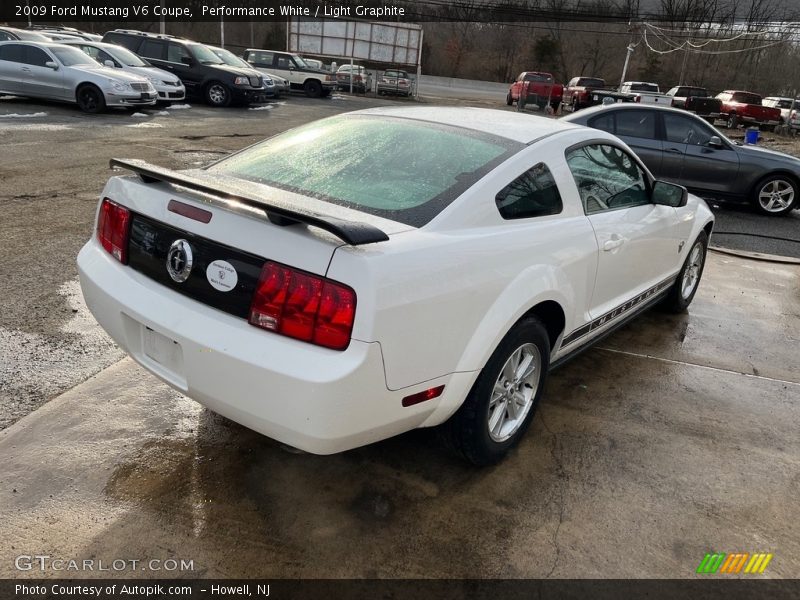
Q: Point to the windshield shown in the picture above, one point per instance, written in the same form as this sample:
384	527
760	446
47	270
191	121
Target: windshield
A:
127	58
300	62
32	36
399	169
204	55
72	56
229	58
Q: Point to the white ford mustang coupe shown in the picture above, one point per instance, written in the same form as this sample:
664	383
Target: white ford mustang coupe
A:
388	269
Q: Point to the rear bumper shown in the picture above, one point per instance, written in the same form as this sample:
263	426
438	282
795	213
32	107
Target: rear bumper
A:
319	400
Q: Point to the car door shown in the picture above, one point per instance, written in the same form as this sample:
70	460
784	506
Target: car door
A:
637	240
639	129
183	65
38	79
693	162
11	68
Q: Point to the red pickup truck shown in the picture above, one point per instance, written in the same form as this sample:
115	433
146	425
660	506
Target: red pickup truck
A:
578	93
745	108
535	87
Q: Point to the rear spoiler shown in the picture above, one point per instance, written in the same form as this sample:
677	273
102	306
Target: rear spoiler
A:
352	232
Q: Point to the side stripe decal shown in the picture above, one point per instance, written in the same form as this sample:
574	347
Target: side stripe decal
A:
617	312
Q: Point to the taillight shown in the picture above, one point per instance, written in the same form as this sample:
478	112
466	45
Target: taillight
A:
113	229
303	306
637	99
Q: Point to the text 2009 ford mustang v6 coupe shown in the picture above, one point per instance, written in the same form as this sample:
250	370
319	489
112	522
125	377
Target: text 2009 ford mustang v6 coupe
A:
388	269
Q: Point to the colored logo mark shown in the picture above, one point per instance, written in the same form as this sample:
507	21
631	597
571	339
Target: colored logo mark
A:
737	562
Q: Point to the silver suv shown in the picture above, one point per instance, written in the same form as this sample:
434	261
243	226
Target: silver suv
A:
64	73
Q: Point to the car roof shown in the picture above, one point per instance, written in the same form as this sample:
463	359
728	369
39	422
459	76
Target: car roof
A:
600	108
519	127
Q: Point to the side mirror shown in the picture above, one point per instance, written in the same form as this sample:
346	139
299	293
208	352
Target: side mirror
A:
52	65
715	142
669	194
187	61
109	63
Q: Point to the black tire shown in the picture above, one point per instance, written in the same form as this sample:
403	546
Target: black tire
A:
509	99
733	121
467	431
784	186
312	88
217	94
90	99
682	292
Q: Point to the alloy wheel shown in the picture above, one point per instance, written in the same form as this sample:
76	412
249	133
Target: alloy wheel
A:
514	391
777	195
691	274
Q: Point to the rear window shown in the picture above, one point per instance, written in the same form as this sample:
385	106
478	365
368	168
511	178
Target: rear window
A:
644	87
745	98
538	77
400	169
591	82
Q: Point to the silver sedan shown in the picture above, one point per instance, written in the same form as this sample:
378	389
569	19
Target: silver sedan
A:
63	73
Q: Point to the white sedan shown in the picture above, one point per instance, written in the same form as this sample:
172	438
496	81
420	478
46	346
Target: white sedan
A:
388	269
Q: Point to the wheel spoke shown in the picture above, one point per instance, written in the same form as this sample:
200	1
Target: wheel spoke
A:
525	368
498	418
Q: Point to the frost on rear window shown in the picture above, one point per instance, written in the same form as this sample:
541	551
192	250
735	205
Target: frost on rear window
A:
400	169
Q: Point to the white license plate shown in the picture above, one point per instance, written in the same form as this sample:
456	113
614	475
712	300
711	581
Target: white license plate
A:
163	350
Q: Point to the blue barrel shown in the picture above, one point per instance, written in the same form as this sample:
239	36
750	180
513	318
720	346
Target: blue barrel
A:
751	135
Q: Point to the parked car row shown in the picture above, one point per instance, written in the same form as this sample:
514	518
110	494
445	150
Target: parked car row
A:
134	68
735	107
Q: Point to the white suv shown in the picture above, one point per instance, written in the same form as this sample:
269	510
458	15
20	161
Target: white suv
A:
314	82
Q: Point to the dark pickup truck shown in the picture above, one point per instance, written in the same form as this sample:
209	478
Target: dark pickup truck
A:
696	100
578	93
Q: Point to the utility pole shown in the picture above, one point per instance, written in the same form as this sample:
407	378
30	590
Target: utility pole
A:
161	25
631	46
685	57
625	66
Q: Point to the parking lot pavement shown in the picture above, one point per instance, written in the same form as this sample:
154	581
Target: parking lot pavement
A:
676	437
53	165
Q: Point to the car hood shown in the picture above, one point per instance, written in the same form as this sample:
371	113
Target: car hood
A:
236	71
107	73
765	153
161	74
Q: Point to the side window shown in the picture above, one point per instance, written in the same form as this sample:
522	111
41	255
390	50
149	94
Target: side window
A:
636	123
11	53
681	130
5	36
177	53
103	56
607	178
532	194
284	62
152	49
603	122
91	51
35	56
261	59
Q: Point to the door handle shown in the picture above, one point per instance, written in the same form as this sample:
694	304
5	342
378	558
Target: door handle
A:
615	242
26	69
674	150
